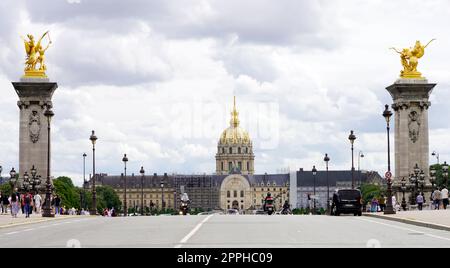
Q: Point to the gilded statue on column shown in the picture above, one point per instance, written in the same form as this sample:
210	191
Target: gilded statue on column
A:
35	59
410	59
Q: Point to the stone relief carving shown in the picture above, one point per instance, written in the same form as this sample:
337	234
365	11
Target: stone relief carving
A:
414	126
34	126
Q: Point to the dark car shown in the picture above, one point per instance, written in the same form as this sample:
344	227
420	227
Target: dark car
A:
347	201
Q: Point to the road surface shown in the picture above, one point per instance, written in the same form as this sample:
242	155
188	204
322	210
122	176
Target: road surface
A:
223	231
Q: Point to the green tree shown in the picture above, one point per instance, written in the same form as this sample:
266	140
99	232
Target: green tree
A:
369	191
68	193
5	189
106	198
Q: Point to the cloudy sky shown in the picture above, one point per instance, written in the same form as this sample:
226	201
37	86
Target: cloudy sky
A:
155	78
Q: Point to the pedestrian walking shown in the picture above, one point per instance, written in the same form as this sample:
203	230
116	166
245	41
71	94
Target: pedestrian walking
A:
57	201
419	201
2	206
37	203
374	205
27	204
444	197
437	198
15	206
382	202
5	202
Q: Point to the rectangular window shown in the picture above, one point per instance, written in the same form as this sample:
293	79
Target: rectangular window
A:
248	166
235	193
240	165
230	166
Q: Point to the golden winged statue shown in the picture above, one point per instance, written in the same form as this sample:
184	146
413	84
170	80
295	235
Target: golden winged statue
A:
410	59
35	59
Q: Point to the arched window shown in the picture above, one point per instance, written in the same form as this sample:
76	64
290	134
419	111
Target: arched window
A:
228	194
242	193
246	150
239	150
248	166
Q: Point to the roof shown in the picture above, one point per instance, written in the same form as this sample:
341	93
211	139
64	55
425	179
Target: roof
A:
306	178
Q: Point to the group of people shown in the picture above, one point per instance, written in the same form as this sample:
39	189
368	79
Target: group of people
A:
109	212
379	204
25	202
438	199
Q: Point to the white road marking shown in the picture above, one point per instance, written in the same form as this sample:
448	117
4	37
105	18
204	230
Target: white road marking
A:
11	233
27	230
189	235
406	229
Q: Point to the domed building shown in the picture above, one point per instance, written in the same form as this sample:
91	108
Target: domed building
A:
235	149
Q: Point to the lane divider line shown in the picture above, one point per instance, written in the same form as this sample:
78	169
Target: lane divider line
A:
191	233
406	229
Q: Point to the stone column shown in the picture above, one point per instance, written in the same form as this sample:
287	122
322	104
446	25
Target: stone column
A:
35	95
411	103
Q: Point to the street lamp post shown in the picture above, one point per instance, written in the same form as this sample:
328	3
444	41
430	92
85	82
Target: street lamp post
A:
125	205
142	171
360	155
12	180
352	139
314	172
432	176
35	180
422	180
93	139
26	180
327	159
162	191
84	181
445	173
435	154
389	209
48	209
403	187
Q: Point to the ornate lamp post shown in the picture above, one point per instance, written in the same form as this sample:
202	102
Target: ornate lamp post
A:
93	211
47	208
403	187
432	176
26	182
422	180
35	179
389	209
445	173
142	171
314	172
435	154
12	180
125	207
327	159
352	139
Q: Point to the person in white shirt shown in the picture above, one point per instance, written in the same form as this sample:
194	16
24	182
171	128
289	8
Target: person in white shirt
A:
37	203
444	197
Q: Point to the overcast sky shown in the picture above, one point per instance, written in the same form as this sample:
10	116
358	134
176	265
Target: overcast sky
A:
156	78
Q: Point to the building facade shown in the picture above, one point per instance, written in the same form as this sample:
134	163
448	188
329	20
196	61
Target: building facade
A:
234	185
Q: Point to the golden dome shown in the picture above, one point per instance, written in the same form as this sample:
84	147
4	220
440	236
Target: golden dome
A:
234	134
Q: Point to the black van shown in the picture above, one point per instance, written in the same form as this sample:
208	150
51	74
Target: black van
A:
347	201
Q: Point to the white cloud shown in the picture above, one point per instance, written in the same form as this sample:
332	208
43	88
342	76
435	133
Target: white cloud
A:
155	79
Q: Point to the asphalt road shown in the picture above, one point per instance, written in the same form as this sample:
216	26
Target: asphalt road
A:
223	231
